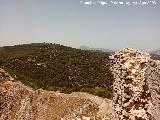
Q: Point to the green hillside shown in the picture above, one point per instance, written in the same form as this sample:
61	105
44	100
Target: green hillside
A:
57	67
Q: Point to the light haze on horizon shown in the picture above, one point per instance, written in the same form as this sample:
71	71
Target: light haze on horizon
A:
70	23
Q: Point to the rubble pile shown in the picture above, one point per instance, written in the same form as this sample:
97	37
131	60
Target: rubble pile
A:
153	79
134	98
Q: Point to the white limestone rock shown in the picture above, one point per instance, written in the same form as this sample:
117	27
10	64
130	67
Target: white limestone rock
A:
132	97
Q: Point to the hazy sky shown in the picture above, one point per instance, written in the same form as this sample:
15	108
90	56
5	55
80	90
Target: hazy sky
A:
71	23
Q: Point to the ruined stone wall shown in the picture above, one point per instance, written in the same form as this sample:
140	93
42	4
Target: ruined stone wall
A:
153	79
136	86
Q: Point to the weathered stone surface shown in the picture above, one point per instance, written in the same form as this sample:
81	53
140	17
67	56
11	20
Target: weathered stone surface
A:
153	78
19	102
136	87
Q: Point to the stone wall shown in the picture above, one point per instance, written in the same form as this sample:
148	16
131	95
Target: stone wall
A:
153	79
136	86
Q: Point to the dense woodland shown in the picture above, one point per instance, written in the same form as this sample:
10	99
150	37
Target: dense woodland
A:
56	67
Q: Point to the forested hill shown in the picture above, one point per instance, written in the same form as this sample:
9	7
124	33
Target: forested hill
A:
56	67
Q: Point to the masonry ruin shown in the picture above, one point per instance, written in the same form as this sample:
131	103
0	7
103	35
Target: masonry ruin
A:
136	87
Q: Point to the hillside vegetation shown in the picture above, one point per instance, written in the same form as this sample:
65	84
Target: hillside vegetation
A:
57	67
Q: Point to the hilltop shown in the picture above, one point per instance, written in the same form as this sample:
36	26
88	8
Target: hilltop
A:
59	68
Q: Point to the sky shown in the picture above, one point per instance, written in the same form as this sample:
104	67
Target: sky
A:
72	23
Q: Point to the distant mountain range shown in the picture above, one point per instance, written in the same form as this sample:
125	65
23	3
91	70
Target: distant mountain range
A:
84	47
157	52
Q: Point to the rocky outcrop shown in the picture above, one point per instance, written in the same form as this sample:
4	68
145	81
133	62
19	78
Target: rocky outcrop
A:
136	86
19	102
153	79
